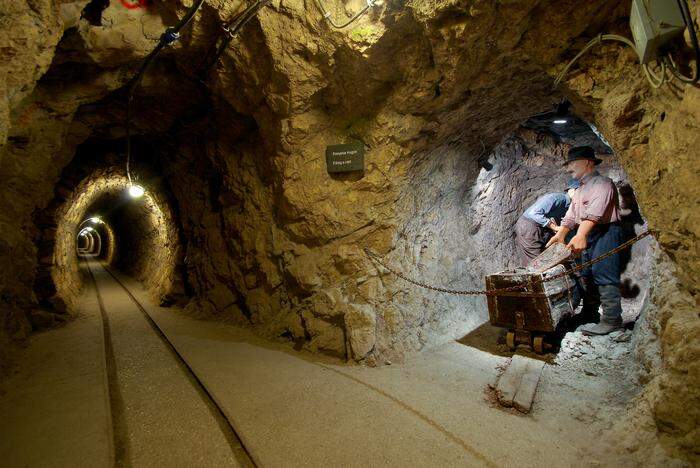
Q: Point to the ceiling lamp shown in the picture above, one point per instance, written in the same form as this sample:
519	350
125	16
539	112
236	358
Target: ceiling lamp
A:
136	191
561	114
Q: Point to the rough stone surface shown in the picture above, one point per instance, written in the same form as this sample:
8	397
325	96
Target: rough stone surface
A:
42	319
270	239
361	322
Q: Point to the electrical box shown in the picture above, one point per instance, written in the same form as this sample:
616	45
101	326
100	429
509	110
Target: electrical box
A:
655	23
345	158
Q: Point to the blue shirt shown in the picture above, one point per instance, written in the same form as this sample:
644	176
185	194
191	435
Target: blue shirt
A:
551	205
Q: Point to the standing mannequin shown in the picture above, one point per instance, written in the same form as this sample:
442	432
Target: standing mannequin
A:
594	214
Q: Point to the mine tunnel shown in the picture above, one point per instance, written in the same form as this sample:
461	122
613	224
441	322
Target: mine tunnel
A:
349	233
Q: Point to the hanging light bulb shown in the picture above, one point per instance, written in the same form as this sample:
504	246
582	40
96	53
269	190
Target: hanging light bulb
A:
136	191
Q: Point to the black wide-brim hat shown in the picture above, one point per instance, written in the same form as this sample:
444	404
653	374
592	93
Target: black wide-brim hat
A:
582	152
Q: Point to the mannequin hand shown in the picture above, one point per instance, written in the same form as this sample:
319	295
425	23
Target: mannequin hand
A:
578	244
557	239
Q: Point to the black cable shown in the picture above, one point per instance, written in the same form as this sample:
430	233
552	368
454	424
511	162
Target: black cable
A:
233	28
188	17
212	54
246	16
170	35
230	31
688	20
327	15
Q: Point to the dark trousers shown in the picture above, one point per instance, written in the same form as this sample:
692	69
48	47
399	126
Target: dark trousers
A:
599	284
530	239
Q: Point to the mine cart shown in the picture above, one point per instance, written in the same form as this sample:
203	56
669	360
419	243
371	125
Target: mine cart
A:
536	309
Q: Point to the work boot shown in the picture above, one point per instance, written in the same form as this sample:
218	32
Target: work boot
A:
587	291
603	328
612	312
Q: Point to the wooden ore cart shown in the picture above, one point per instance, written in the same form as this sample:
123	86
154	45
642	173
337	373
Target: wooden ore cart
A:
529	319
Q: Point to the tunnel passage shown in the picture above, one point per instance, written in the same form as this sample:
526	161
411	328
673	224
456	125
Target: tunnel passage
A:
465	208
141	238
95	238
89	242
144	240
93	213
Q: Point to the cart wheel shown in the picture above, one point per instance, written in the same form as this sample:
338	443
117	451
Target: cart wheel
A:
510	339
538	344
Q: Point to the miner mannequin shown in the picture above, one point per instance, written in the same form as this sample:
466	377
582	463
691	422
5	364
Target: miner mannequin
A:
594	213
540	221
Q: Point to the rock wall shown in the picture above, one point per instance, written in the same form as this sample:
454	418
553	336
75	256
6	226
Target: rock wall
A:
270	237
149	245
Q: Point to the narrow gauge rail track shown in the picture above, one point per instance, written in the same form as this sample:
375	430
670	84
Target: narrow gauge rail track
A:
119	435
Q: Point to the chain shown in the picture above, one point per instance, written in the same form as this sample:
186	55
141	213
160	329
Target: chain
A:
600	258
496	292
512	290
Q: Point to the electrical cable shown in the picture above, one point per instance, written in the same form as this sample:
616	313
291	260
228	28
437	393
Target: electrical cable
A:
654	80
596	41
240	20
668	59
212	54
667	63
171	35
370	4
231	29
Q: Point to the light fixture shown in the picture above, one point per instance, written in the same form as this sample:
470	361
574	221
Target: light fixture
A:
95	220
136	191
561	114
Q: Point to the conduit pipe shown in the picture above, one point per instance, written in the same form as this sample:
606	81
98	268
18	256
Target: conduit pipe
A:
370	4
170	36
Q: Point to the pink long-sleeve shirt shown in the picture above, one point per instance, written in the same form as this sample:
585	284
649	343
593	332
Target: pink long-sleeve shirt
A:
595	200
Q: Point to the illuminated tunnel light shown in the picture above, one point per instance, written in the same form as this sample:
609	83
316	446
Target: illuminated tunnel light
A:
560	121
136	191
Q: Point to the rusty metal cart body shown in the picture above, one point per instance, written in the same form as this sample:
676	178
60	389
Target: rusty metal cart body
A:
527	316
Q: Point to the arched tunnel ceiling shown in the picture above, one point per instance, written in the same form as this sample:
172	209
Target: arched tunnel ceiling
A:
569	128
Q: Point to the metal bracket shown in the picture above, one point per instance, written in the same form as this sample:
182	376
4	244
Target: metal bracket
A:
170	36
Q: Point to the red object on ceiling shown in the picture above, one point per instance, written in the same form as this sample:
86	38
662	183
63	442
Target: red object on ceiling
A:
134	4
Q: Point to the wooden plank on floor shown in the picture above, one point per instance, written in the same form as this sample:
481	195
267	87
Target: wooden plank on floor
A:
510	381
528	385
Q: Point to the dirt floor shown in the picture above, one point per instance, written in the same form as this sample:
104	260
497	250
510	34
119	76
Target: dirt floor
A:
155	415
293	408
